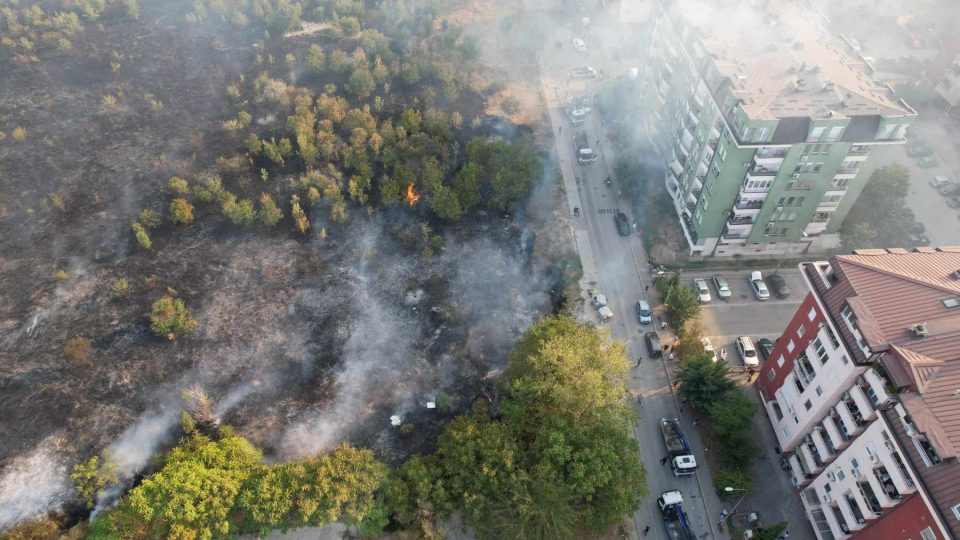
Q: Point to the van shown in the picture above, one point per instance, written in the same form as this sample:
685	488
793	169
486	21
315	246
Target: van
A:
644	313
578	116
748	353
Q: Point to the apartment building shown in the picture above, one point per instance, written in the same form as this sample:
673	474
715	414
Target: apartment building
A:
863	392
770	127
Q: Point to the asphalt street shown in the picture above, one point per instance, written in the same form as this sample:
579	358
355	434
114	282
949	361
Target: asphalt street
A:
616	266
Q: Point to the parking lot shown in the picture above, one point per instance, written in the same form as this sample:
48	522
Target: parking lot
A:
723	320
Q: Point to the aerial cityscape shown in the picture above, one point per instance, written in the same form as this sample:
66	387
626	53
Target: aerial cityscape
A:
467	269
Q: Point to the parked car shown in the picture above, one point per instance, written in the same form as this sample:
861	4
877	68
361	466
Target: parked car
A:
765	346
583	103
653	344
583	73
623	224
919	150
643	312
927	162
778	285
708	348
759	287
579	45
723	288
703	292
948	189
577	117
941	181
954	202
748	353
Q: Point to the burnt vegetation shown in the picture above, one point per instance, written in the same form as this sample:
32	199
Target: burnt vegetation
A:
189	191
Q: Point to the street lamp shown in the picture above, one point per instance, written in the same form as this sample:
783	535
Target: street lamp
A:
729	489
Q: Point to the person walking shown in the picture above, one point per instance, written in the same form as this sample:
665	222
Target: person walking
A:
663	325
670	356
560	130
664	460
646	288
646	530
639	360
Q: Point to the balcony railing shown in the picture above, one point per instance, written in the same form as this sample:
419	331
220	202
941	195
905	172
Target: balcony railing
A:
758	170
841	519
866	491
729	235
814	452
748	205
848	170
854	410
889	488
859	151
838	423
771	153
855	508
734	220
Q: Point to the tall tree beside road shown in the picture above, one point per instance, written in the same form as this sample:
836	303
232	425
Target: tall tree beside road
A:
704	382
732	417
558	458
682	303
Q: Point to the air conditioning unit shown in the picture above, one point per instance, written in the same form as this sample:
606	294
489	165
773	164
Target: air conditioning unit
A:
889	445
855	472
796	175
832	477
804	158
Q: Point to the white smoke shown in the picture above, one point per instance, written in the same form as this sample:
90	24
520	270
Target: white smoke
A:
33	484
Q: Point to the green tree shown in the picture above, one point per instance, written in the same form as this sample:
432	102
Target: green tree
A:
239	212
178	185
735	478
269	214
169	317
316	59
682	305
360	83
300	220
704	382
466	185
445	204
143	238
732	415
91	476
181	211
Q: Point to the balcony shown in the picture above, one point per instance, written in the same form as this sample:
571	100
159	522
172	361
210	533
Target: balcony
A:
835	189
845	174
928	449
734	237
858	150
771	153
760	173
841	519
815	227
806	367
825	437
851	404
889	488
866	491
734	220
855	508
745	204
814	453
839	424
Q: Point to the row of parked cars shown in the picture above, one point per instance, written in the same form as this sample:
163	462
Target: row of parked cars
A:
947	187
758	285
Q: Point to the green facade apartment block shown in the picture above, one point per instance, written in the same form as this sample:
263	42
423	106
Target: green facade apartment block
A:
766	147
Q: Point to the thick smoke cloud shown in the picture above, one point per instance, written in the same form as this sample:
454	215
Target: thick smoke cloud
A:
33	484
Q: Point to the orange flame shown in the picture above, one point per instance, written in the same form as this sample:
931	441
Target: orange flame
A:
411	196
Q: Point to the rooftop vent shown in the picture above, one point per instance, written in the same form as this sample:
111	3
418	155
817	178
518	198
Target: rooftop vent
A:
828	84
919	329
956	274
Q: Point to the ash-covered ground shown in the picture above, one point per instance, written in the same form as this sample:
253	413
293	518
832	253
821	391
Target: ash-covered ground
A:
303	342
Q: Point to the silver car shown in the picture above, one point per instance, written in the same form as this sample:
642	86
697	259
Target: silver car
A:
723	288
759	287
703	292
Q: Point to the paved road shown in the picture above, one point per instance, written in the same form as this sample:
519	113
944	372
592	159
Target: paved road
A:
615	265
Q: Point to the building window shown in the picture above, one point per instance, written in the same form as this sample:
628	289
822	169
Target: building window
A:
807	405
722	153
819	390
812	314
779	413
844	360
790	346
956	511
840	475
780	361
801	330
835	133
816	133
772	374
821	351
928	534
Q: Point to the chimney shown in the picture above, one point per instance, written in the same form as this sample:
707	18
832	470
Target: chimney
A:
919	329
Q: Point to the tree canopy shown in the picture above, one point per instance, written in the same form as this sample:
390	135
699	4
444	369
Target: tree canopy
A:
704	382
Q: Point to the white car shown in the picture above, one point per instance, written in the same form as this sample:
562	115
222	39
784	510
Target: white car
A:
759	287
708	348
703	292
748	353
940	181
579	45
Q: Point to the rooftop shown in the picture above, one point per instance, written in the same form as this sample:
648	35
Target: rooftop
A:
891	292
782	62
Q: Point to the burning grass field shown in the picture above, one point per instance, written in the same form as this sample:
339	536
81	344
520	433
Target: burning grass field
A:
302	340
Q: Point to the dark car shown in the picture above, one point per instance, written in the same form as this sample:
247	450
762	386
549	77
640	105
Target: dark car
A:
920	150
653	344
778	285
927	161
766	347
954	202
623	223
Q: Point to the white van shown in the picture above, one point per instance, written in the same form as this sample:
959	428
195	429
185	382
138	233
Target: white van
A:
748	353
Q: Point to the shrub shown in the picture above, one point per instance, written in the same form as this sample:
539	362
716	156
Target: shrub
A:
120	287
269	213
181	211
143	238
735	478
150	219
239	212
19	134
178	185
300	220
169	318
